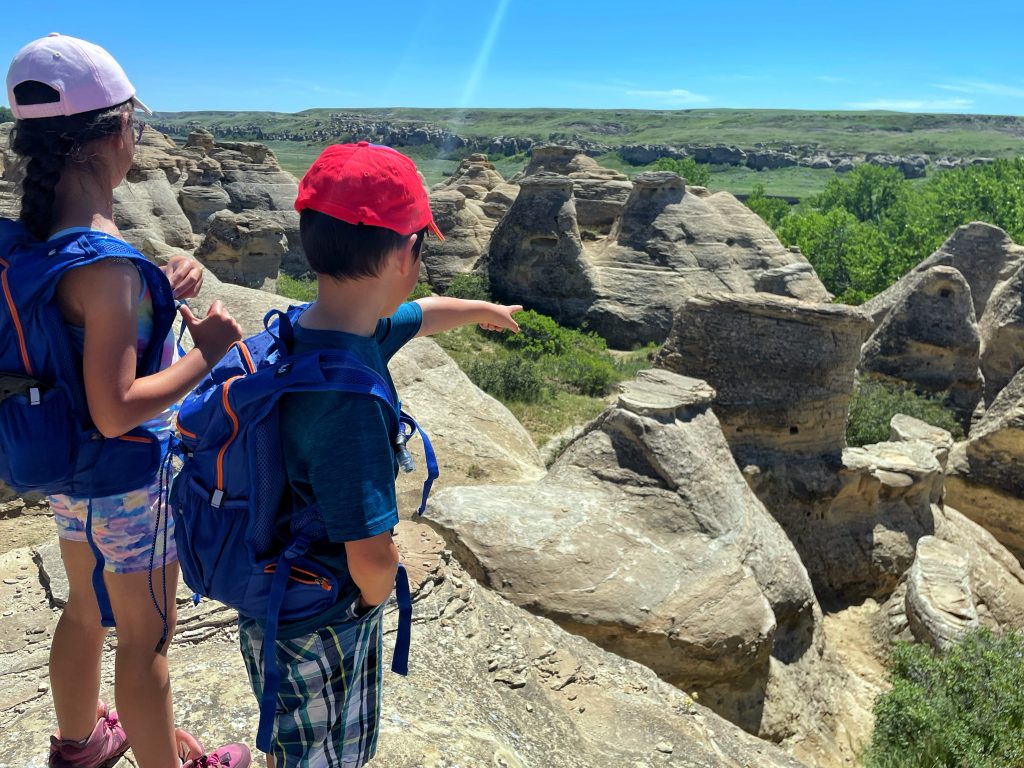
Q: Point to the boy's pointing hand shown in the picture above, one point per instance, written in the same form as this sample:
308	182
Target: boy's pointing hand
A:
502	318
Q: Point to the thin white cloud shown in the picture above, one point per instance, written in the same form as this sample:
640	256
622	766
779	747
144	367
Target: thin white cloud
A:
977	86
913	105
671	96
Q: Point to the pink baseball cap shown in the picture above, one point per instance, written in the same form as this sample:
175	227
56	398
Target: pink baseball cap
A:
85	75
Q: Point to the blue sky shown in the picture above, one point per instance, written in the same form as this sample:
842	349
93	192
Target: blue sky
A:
906	55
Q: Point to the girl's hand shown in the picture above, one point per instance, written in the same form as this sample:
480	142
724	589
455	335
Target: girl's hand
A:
215	333
185	276
502	318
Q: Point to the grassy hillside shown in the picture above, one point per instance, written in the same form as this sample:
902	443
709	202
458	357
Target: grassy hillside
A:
890	132
893	132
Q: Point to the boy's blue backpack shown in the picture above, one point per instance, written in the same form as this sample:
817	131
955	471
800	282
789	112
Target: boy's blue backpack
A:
48	443
226	498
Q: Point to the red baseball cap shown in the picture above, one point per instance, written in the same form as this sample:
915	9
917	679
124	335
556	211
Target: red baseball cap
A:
367	184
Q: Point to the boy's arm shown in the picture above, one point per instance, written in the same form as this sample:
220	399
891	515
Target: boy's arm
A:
442	313
373	563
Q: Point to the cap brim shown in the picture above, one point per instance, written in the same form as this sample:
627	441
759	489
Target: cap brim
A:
433	228
140	106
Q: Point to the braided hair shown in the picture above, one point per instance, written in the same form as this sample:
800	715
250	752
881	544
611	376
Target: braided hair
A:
49	143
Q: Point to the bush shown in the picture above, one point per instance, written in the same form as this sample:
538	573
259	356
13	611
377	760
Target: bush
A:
297	288
696	174
772	209
421	291
469	287
876	401
581	372
961	708
509	377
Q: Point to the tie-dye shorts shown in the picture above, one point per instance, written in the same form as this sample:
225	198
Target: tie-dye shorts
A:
122	528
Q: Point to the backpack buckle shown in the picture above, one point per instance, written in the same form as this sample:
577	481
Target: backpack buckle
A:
216	498
33	396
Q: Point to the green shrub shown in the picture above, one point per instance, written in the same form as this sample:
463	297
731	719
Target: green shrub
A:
772	209
421	291
953	710
508	377
469	287
581	372
297	288
876	401
696	174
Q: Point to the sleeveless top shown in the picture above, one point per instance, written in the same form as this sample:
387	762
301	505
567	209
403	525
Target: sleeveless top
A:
161	424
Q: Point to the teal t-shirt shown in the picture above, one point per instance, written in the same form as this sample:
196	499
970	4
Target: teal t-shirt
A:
338	450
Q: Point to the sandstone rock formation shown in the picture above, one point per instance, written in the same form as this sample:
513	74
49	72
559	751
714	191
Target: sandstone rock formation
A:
508	687
670	242
644	538
986	473
536	250
243	248
1002	334
782	369
985	255
930	339
600	192
465	238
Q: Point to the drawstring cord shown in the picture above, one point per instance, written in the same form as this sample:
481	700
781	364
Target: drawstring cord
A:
163	503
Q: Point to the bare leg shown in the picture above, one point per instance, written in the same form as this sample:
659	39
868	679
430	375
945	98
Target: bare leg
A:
77	647
141	678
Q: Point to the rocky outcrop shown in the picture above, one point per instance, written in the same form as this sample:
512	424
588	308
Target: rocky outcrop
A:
509	687
600	192
1002	334
989	262
929	339
536	254
641	521
904	429
670	242
465	238
782	369
986	472
243	248
146	203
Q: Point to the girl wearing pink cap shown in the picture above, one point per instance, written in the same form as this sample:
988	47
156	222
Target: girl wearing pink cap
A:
75	127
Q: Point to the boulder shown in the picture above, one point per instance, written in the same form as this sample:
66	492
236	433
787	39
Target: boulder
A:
243	248
929	339
964	578
939	603
644	538
782	369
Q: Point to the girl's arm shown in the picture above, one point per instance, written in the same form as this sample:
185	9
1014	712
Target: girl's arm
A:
442	313
105	297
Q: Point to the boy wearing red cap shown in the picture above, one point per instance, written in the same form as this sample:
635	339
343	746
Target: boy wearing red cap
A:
363	217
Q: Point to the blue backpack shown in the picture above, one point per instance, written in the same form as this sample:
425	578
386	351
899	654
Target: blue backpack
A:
48	443
226	498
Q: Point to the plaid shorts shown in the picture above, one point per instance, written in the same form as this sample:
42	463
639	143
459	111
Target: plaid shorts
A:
328	702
